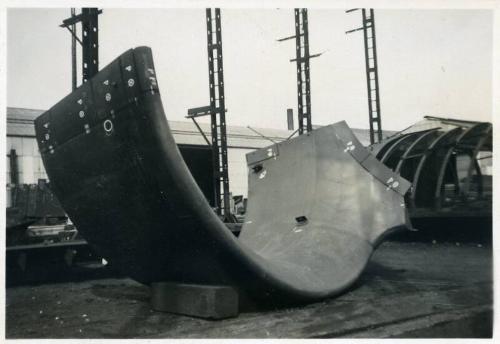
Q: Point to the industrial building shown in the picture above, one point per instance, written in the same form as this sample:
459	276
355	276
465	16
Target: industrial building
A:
241	140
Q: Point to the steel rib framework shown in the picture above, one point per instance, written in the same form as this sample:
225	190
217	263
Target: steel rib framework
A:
441	156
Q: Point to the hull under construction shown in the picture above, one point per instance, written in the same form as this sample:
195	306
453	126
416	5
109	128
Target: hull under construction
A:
318	204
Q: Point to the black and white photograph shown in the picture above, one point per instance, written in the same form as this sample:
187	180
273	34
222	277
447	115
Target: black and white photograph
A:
249	169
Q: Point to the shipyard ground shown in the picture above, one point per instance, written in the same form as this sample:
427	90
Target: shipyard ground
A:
409	290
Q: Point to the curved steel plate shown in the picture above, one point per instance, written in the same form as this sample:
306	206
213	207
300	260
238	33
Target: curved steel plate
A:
318	204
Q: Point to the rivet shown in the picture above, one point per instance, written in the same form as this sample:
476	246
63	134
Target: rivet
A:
131	82
108	97
81	114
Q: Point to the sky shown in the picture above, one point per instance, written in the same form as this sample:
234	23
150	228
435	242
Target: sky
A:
431	62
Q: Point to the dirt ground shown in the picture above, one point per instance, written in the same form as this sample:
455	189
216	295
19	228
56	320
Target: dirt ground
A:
408	290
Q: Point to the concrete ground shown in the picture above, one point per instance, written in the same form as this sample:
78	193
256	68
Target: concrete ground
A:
409	290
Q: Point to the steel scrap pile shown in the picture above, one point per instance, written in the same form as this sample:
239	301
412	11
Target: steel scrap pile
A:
318	204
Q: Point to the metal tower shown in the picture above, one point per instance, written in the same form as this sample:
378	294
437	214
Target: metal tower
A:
89	42
217	112
302	58
371	65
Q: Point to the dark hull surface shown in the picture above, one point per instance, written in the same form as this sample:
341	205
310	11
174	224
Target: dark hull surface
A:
318	204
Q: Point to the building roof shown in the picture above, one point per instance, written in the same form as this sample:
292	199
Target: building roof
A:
20	123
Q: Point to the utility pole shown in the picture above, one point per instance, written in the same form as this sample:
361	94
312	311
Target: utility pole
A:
73	54
371	66
14	167
217	112
301	59
89	42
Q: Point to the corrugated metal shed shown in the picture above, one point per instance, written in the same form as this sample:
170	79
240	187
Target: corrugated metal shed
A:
241	140
20	123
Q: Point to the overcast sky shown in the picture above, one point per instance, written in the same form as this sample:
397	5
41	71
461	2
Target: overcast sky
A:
431	62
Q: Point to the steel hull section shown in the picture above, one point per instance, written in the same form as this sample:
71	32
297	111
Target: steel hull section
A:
318	204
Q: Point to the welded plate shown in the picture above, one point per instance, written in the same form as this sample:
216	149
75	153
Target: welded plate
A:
315	211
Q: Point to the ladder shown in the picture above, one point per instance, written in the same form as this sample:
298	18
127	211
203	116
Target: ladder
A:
218	112
371	65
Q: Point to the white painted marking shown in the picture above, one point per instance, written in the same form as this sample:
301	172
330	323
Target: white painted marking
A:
108	126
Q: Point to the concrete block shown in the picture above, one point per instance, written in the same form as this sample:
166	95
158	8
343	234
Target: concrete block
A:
204	301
